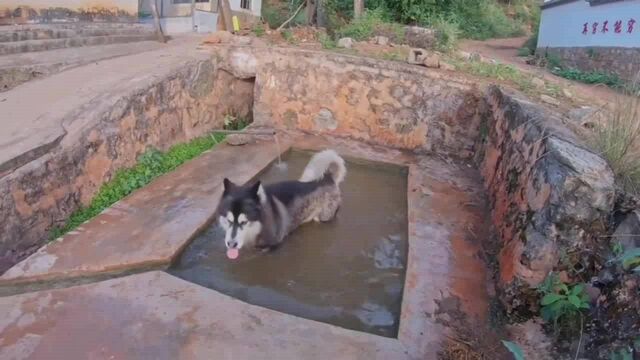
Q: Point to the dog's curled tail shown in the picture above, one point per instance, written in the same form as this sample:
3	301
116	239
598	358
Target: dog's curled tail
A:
327	161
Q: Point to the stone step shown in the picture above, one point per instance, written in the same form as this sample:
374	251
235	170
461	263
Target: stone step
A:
63	33
16	47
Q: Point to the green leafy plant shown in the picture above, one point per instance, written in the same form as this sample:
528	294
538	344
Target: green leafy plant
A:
515	349
630	259
151	164
373	22
589	77
258	30
617	249
447	33
524	51
560	300
326	41
622	354
232	122
288	36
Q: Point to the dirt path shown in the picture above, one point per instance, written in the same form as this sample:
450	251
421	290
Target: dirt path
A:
506	51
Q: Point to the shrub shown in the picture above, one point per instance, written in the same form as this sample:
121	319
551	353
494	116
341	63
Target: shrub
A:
590	77
523	51
373	22
447	33
326	41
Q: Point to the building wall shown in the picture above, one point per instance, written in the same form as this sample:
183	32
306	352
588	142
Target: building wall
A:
46	11
564	25
603	37
169	8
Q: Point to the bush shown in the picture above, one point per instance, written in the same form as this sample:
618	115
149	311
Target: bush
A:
373	22
590	77
447	33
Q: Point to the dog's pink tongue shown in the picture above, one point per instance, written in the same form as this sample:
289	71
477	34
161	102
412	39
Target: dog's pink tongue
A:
233	253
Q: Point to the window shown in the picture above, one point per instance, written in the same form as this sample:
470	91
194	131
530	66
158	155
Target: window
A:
245	4
189	1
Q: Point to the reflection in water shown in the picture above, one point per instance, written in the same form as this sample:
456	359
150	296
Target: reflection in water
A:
348	272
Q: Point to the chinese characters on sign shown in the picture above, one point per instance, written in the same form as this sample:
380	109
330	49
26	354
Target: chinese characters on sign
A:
603	27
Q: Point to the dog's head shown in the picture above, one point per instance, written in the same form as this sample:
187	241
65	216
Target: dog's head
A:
240	213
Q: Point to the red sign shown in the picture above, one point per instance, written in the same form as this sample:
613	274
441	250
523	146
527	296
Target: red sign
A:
617	27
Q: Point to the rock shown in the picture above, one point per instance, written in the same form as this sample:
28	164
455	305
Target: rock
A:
239	139
417	56
447	66
593	292
531	338
242	63
325	120
242	40
567	93
419	37
627	233
219	37
346	43
539	83
381	40
549	100
464	55
432	61
585	116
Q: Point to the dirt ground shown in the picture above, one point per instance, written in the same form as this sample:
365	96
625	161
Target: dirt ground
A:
506	51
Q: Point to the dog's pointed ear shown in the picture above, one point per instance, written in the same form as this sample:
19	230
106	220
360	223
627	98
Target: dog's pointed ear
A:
258	190
228	185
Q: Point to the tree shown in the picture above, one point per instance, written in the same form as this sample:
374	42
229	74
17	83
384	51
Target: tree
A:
358	8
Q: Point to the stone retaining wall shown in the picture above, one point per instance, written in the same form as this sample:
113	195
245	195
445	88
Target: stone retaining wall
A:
381	102
550	197
173	109
624	62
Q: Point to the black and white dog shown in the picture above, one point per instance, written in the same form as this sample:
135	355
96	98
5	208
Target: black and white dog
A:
255	215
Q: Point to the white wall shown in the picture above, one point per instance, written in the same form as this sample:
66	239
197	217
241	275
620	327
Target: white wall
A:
562	25
256	6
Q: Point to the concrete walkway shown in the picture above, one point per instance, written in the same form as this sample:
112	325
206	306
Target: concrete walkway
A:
36	116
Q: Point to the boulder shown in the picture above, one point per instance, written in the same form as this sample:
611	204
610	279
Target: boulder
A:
417	56
346	43
420	37
431	61
381	40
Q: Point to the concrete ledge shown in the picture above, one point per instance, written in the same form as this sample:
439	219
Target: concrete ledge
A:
446	225
57	154
149	227
158	316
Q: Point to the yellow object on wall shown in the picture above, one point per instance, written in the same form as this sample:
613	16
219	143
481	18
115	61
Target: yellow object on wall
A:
236	23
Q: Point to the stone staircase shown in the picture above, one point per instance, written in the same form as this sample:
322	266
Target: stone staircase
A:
34	51
32	38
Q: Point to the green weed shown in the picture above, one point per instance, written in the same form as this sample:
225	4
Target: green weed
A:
233	122
372	23
590	77
326	41
447	33
524	51
258	30
151	164
560	301
630	259
287	35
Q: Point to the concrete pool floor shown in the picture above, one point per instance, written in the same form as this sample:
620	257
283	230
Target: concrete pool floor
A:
151	314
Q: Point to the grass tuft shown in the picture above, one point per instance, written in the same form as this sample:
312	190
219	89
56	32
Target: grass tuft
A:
617	136
151	165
